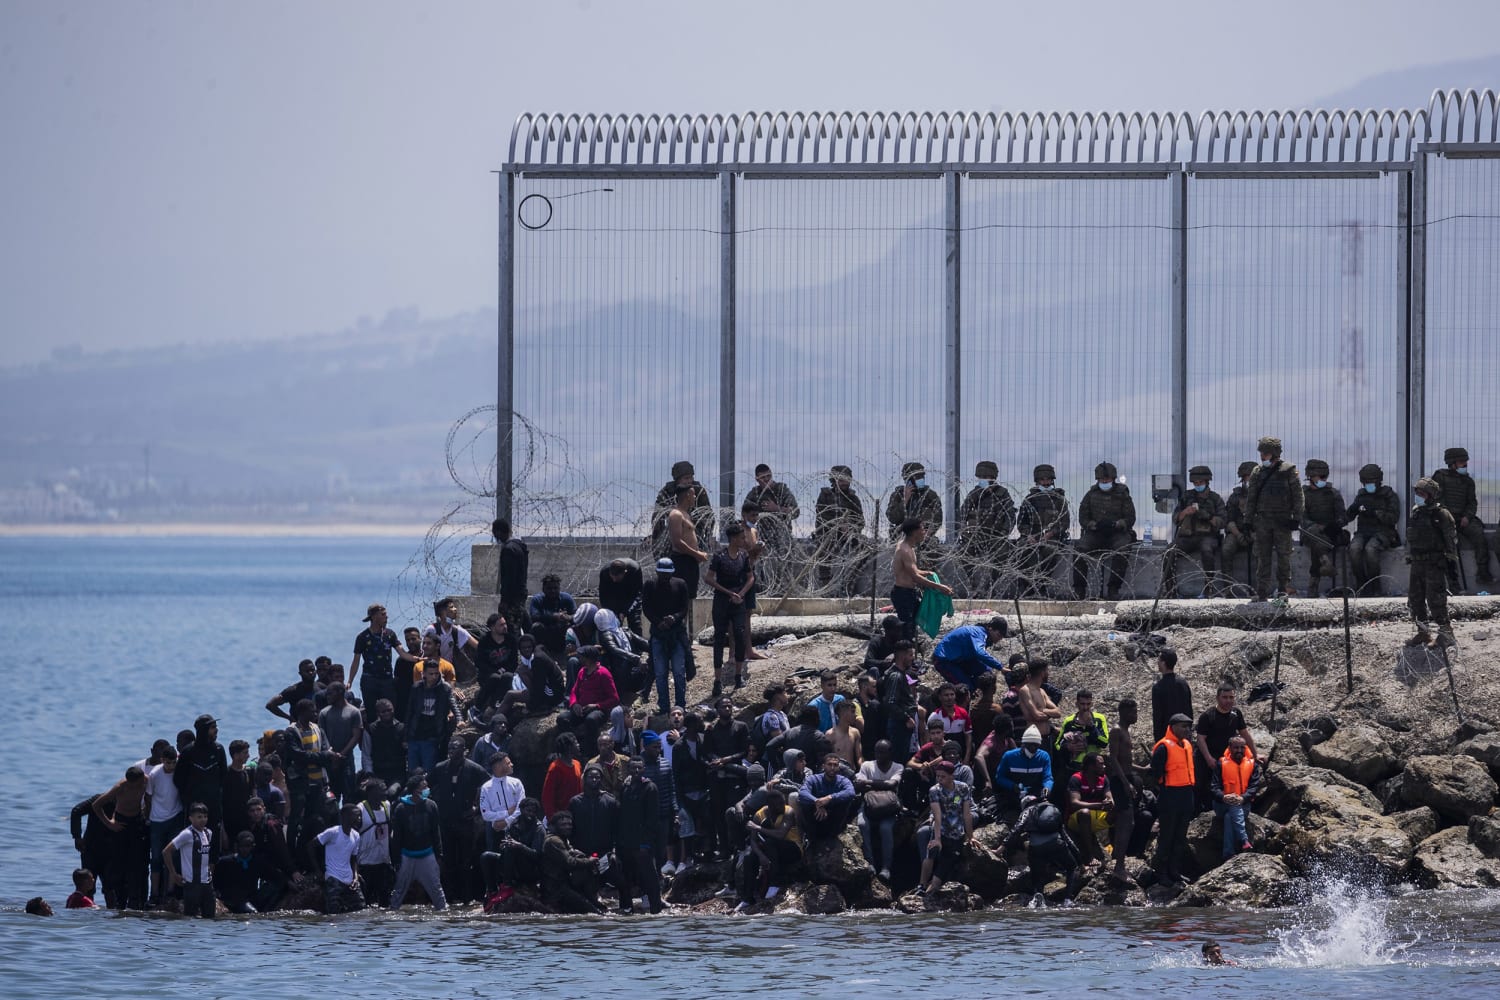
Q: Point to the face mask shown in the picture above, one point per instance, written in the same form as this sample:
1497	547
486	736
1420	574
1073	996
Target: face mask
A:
1200	487
1106	487
1028	750
1464	471
919	483
1045	489
1369	487
1320	483
987	482
1265	463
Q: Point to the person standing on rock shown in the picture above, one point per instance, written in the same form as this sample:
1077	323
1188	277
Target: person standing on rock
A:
908	579
1375	511
1458	496
1170	694
1216	727
1236	780
1432	550
1124	779
1274	505
514	560
1172	766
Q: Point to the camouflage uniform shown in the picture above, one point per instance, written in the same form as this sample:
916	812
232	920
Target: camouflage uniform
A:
1044	521
1461	500
1432	550
1323	519
1197	533
985	520
1273	503
775	530
925	504
838	531
1237	531
1375	516
703	512
1107	520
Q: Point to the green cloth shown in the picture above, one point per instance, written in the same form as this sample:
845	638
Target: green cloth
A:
935	606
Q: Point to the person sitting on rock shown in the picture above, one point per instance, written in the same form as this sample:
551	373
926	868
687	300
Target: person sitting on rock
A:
515	863
1026	770
806	735
775	846
1236	780
952	806
1090	807
794	775
569	876
1049	850
826	801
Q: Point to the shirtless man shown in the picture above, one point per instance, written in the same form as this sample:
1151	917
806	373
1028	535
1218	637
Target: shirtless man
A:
682	540
1036	708
1124	773
908	580
845	738
121	810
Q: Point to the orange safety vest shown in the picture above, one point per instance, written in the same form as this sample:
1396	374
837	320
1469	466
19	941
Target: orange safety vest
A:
1235	774
1179	761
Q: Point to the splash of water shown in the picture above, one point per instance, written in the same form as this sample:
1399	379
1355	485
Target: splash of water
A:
1343	926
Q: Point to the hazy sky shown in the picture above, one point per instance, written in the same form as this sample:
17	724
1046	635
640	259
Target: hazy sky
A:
184	172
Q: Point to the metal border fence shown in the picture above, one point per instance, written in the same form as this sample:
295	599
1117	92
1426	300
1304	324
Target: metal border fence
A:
960	149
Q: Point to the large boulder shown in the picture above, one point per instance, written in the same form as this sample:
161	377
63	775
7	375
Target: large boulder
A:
1447	860
1484	748
1455	787
698	885
1418	824
819	898
1245	880
531	742
1206	840
984	868
1358	752
950	897
1484	833
876	897
841	861
1330	821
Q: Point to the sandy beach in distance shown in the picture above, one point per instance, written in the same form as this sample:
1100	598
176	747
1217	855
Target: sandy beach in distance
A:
175	529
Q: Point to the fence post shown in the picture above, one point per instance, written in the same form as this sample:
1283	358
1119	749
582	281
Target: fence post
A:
505	383
726	340
1179	323
1416	329
952	333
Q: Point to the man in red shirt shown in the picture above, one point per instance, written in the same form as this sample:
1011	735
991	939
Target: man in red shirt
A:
592	697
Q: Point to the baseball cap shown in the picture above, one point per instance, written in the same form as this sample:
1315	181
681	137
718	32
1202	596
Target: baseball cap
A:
373	610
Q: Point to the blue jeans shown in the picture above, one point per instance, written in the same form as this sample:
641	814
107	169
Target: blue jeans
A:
421	753
886	829
669	649
1234	827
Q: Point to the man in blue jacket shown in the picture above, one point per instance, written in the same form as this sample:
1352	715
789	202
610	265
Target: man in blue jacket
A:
1026	770
961	656
826	801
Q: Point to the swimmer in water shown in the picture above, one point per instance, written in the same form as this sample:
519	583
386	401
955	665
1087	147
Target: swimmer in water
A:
1212	955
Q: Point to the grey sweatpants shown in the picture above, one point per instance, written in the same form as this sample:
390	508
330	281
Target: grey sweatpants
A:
425	871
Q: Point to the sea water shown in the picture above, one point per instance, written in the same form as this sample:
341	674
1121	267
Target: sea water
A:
111	643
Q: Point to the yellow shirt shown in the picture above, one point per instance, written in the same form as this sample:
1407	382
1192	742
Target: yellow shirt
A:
786	821
445	670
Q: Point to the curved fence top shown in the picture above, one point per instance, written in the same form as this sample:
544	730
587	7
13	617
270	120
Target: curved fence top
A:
1027	137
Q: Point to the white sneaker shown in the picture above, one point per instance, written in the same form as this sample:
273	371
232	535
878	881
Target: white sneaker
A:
728	892
668	870
742	907
773	891
885	874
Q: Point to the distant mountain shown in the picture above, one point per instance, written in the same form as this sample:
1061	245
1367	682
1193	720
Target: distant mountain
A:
1412	87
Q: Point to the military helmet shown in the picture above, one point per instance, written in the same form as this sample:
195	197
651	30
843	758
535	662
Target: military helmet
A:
1043	472
680	469
1246	469
1451	455
1200	470
1106	470
1371	473
1317	467
1268	446
987	470
912	470
1429	486
841	472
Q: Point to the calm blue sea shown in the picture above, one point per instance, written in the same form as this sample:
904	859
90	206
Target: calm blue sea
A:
114	642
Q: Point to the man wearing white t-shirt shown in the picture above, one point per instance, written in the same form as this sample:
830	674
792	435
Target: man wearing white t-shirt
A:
878	781
194	846
340	863
500	800
164	814
453	639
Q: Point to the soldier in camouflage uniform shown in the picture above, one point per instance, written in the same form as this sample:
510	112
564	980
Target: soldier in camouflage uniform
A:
1461	500
1044	522
1375	511
1106	516
1273	503
985	520
666	498
1323	520
838	530
1432	550
1199	518
914	498
1237	531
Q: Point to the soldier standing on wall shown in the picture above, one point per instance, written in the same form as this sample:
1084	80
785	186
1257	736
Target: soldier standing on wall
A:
838	529
1044	522
1237	531
1323	522
1375	511
1199	518
1432	550
1273	504
1461	500
1107	516
777	507
985	519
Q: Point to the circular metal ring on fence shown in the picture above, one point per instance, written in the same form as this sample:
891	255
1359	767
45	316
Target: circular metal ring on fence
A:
521	211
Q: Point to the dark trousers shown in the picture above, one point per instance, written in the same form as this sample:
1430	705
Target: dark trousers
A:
1036	563
1204	548
125	874
457	863
1272	535
830	826
1472	535
308	815
722	794
373	687
730	625
782	855
378	881
1175	809
638	872
339	897
588	725
1427	594
198	900
510	863
1111	547
905	601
